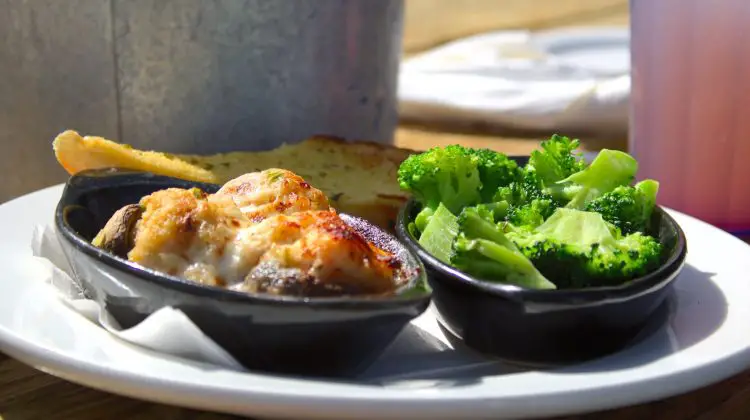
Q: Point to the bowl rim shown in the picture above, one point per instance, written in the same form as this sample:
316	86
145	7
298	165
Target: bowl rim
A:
68	234
654	280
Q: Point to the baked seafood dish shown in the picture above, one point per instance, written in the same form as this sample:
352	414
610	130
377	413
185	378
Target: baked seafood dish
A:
262	264
267	231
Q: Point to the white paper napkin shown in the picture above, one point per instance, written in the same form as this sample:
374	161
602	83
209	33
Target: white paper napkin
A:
167	330
577	79
420	351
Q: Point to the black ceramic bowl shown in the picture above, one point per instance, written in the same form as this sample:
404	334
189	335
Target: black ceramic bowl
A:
314	336
547	327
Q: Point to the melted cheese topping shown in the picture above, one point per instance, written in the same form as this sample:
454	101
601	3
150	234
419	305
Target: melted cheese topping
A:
263	232
260	194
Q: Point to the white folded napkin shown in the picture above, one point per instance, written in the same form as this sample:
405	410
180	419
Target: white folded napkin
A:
573	79
420	351
167	330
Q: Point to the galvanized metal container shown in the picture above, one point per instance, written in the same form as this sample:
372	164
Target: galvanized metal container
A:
192	76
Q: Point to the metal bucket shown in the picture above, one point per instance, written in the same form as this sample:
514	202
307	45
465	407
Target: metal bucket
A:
192	76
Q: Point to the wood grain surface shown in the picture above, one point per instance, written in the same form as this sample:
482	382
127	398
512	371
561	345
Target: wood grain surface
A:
28	394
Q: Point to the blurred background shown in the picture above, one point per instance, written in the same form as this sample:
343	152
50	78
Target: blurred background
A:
57	64
575	27
432	22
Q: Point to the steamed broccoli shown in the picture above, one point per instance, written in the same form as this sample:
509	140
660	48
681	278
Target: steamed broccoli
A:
522	191
446	175
423	217
495	170
528	205
532	214
578	249
438	235
454	176
628	208
482	249
609	170
557	160
556	218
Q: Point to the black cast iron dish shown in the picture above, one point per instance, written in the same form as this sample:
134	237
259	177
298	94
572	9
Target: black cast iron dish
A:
314	336
547	327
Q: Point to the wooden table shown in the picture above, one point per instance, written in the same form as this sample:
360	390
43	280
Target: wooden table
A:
29	394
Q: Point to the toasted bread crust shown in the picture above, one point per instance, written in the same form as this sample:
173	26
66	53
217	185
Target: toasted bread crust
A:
76	153
360	178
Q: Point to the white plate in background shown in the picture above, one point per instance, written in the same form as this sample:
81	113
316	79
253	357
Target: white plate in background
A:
558	80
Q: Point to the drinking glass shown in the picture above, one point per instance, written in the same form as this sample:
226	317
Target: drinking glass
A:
690	106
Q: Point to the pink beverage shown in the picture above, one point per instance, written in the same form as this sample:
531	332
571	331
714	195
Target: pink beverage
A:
690	105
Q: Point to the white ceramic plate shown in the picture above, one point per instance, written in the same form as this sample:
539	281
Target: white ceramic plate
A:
568	79
602	51
703	340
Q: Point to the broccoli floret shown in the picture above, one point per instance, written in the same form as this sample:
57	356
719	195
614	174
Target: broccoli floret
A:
495	212
532	214
528	205
609	170
579	249
438	235
495	170
522	191
628	208
447	175
482	249
423	218
557	160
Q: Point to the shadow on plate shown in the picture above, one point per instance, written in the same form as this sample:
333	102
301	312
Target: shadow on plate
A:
695	309
418	359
